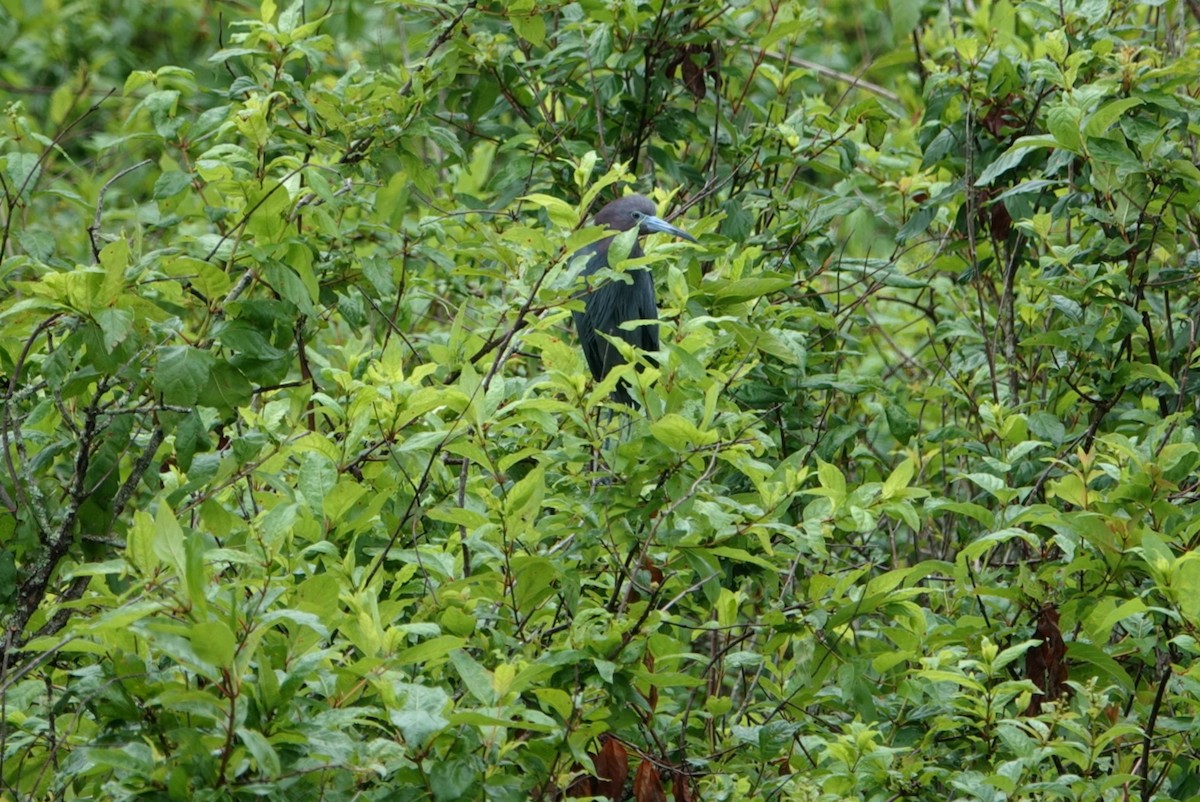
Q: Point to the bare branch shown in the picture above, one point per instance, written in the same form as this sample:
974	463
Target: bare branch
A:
94	228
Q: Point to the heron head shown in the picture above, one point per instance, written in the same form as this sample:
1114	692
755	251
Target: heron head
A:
637	211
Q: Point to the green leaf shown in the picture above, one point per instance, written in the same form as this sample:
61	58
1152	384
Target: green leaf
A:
1047	427
529	26
1147	370
452	780
161	106
429	650
898	479
742	556
120	618
949	676
900	422
196	576
1063	122
268	210
560	212
1185	581
477	678
134	759
170	184
214	643
23	171
227	388
1090	660
421	716
1157	554
904	16
182	372
260	748
168	539
114	258
1109	113
995	485
533	578
1013	653
1009	160
555	699
746	289
679	433
115	324
317	478
278	522
136	80
525	497
831	478
583	171
984	544
139	543
1055	43
1112	150
621	246
291	16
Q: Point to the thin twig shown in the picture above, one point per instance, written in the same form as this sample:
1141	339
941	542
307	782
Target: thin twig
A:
1164	662
254	208
854	80
10	425
16	196
94	229
136	473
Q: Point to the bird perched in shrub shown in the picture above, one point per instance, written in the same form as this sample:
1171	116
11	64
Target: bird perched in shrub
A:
612	303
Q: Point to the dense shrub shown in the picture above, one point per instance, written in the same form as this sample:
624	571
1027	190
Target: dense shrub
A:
307	493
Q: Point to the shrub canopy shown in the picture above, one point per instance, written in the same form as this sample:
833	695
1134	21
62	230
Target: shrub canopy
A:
307	493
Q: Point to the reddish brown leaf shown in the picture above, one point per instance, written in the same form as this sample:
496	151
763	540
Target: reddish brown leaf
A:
681	787
612	769
650	574
694	65
1001	222
583	785
994	120
647	785
1001	116
655	572
993	214
693	76
1045	664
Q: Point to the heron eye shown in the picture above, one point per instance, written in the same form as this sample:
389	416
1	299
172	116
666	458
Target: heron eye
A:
638	215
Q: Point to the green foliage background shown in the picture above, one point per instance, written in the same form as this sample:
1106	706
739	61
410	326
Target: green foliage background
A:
307	494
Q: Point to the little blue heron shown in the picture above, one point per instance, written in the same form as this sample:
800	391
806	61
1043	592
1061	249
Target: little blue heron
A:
615	302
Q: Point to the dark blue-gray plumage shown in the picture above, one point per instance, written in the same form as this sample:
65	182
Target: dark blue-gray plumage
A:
615	302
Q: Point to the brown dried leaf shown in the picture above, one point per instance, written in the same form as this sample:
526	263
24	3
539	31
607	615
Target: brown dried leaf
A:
681	787
583	785
652	696
655	571
612	769
647	785
1001	221
651	574
1045	664
693	77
